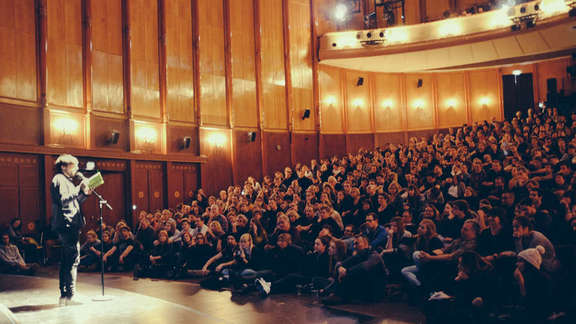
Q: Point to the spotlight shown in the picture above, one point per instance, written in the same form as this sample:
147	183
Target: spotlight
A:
360	82
251	136
341	12
306	114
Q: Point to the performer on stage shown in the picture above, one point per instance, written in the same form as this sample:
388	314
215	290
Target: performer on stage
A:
67	220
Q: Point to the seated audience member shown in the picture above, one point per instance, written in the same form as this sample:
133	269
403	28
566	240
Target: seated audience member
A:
375	233
468	297
497	237
159	263
200	227
315	274
195	253
145	235
10	259
427	241
90	253
185	223
525	237
444	264
360	276
533	286
123	253
224	258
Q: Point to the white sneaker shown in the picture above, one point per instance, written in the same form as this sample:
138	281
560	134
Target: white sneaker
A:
62	301
263	286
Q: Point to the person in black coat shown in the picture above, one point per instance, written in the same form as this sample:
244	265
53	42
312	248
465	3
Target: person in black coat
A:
360	276
159	262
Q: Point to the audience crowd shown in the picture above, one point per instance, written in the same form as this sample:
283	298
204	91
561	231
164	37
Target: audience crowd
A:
475	224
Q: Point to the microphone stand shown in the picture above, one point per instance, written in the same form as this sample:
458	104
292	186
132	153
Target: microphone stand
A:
102	202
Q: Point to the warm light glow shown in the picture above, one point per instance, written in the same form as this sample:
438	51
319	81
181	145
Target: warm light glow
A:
484	101
346	40
550	7
340	12
500	18
449	27
216	139
396	35
517	72
146	134
65	125
330	100
388	103
451	103
358	102
418	103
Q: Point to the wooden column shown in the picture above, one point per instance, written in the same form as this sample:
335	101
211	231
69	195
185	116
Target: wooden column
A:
229	84
288	77
467	98
87	65
315	86
258	67
162	72
196	76
41	46
435	104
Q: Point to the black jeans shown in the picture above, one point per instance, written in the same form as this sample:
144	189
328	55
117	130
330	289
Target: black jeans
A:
69	262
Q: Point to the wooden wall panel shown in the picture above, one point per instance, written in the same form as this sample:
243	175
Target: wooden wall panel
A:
244	107
274	111
18	50
247	156
144	61
20	188
305	147
355	142
555	69
175	136
102	127
435	9
179	61
277	151
64	75
149	185
358	102
216	173
182	182
451	99
413	12
485	95
212	63
114	191
107	67
381	139
331	101
20	125
427	134
387	102
148	137
301	63
420	101
332	145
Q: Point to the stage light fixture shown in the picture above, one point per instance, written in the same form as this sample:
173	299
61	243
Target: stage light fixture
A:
306	114
516	72
186	141
341	12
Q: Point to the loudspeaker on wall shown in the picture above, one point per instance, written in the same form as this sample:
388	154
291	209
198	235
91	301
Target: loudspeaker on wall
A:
360	81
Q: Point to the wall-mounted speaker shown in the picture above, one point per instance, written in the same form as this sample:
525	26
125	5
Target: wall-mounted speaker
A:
420	83
360	82
251	136
306	114
186	141
114	137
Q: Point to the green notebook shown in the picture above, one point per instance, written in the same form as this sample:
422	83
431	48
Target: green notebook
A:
95	181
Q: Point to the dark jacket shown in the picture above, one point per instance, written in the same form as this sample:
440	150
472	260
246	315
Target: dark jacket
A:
66	199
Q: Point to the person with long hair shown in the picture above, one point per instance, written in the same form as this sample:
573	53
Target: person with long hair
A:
428	241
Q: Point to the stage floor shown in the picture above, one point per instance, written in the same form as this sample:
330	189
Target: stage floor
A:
34	300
